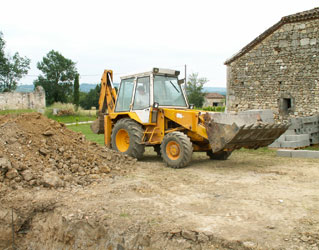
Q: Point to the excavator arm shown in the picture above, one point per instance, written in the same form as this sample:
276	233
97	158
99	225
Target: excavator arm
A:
107	101
108	93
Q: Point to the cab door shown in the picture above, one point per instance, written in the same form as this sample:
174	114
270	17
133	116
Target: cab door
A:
141	104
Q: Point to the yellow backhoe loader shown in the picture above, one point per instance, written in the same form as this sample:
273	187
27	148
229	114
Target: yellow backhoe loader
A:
151	109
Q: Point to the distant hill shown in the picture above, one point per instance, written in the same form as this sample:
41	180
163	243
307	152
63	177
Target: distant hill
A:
86	87
25	88
219	90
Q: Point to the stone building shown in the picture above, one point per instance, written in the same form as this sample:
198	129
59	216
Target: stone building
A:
213	100
279	70
18	100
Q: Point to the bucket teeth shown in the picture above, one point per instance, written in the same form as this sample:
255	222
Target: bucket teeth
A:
229	137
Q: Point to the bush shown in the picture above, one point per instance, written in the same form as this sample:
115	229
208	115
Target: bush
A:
215	108
63	109
68	109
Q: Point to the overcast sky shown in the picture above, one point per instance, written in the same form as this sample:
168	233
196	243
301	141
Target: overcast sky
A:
133	36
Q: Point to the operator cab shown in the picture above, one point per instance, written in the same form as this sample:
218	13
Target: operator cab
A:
159	87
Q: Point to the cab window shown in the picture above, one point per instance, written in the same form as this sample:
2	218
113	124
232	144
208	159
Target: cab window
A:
142	96
124	96
167	91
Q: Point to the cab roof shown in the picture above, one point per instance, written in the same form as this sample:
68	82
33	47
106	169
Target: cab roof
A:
156	71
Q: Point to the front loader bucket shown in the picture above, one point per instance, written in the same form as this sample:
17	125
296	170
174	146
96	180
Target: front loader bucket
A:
97	126
228	137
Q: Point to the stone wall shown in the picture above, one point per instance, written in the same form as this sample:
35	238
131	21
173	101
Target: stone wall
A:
280	73
17	100
210	102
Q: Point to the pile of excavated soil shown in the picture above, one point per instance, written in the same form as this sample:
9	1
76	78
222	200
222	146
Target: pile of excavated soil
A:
37	151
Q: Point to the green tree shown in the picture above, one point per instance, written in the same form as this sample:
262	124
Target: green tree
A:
76	92
194	89
58	76
91	99
12	68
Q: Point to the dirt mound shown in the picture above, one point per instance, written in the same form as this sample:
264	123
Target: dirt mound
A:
37	151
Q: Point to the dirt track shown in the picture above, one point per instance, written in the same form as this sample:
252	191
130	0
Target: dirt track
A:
250	201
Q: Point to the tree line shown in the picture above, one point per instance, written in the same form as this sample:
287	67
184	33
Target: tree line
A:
60	79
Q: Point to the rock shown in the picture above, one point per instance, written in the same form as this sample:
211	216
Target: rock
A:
94	176
44	151
11	140
249	244
52	180
61	149
18	179
32	182
27	175
5	163
48	133
12	173
68	178
202	237
74	167
304	238
105	169
189	235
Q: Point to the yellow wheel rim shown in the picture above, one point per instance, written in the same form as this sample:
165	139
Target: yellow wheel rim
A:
173	150
122	140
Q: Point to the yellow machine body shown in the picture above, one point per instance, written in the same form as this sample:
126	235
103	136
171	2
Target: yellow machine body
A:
168	123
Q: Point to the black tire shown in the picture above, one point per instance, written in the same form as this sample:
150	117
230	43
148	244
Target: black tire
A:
157	149
222	155
135	134
185	149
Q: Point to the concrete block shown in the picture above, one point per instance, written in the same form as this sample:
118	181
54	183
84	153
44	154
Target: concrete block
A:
275	144
309	119
305	154
284	153
314	140
290	132
309	130
297	137
281	138
295	125
295	144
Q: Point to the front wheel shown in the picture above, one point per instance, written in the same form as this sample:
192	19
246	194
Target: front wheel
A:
176	149
127	137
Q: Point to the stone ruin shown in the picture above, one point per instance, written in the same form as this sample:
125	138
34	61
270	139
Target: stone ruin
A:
22	100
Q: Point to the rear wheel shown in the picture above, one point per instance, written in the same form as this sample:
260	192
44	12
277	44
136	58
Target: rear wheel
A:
176	149
221	155
126	138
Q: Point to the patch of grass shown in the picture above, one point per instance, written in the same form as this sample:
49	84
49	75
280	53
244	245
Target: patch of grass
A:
263	150
124	215
16	111
86	130
314	147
